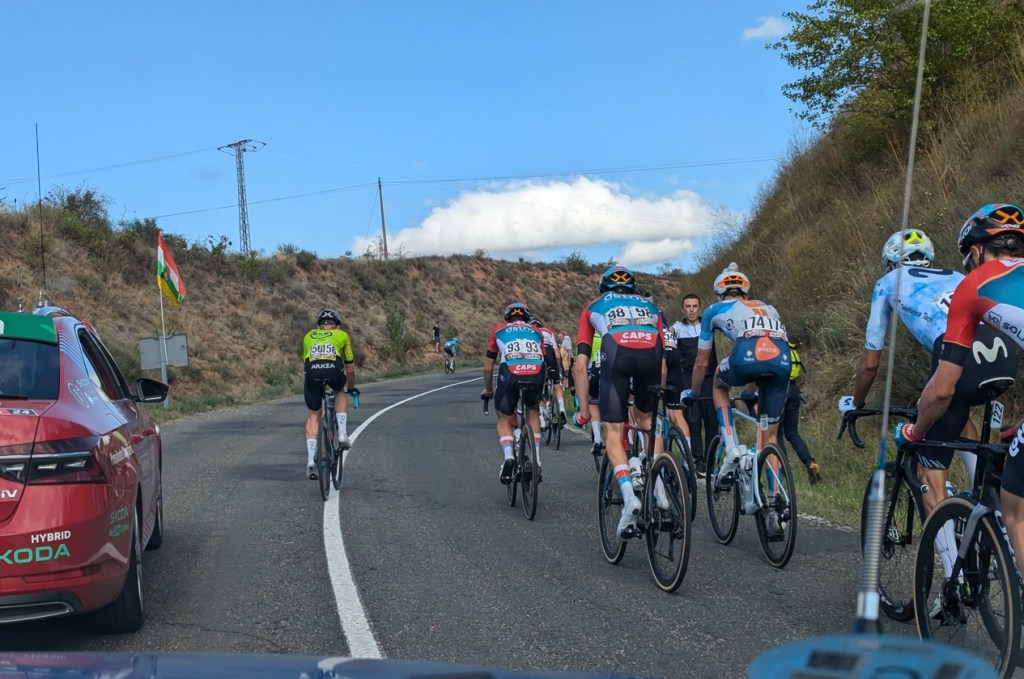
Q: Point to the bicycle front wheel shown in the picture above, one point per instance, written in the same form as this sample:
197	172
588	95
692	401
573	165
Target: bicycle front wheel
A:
976	606
549	417
337	466
776	520
324	453
530	471
558	433
668	528
723	497
609	509
678	448
901	535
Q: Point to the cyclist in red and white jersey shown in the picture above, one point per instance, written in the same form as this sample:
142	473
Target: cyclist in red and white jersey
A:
518	350
992	243
552	364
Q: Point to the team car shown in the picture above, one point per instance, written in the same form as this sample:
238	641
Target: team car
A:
80	474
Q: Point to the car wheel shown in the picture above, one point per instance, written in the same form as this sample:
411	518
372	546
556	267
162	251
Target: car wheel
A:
156	538
126	613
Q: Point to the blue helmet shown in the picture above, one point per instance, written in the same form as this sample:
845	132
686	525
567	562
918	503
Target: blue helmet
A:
994	219
618	278
517	311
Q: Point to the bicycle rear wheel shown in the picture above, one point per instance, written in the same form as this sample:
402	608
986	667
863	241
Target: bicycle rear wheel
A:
529	471
337	464
978	606
558	432
901	536
776	520
546	432
678	448
609	509
324	453
668	529
723	498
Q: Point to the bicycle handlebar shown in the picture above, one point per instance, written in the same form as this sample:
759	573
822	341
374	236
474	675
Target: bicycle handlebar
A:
851	417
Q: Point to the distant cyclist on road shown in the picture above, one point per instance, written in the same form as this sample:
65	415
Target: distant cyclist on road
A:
922	302
517	348
552	364
761	351
992	244
327	356
451	349
632	350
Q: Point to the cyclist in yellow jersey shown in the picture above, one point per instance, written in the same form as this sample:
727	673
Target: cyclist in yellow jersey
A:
594	382
327	357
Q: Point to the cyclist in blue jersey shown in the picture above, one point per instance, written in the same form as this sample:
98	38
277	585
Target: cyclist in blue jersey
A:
632	349
518	349
922	303
451	349
760	353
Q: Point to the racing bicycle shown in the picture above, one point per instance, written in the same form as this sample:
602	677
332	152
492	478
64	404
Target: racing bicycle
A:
761	485
551	419
664	521
328	454
526	472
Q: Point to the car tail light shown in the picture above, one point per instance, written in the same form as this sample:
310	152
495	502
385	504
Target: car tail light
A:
14	462
65	461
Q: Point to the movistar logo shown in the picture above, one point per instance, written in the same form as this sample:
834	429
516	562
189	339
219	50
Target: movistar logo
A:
990	354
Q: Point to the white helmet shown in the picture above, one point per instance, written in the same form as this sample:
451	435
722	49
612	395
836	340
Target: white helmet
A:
918	249
731	278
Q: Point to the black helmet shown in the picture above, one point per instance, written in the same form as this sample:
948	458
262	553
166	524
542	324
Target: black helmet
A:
328	315
618	278
535	320
988	223
517	311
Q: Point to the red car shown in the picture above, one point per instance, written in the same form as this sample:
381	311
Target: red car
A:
80	481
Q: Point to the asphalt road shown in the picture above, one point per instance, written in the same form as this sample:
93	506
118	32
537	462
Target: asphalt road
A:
445	569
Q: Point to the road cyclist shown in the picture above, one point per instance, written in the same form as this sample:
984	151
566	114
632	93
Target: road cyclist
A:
327	359
759	362
516	348
451	350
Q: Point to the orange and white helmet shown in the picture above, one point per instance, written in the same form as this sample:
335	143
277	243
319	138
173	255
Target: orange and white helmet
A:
731	279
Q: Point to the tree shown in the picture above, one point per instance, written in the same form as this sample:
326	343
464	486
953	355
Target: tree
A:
860	56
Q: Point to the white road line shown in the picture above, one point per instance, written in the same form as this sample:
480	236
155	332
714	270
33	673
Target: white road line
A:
361	642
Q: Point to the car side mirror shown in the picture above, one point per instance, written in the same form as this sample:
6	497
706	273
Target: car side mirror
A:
148	390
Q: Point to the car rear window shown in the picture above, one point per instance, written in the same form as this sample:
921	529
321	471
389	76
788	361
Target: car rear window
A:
29	369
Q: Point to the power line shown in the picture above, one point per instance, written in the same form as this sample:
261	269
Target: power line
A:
273	200
103	168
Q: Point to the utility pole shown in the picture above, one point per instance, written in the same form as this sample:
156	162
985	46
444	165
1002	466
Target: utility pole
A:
383	229
240	147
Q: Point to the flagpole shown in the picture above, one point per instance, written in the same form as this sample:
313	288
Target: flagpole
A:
163	345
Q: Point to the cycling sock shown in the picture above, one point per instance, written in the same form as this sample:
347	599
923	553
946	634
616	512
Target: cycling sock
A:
536	444
596	428
970	462
945	545
506	445
310	450
342	423
622	475
561	404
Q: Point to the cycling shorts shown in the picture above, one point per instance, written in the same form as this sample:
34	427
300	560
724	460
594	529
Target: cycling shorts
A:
553	368
764	360
594	382
317	374
622	369
978	367
450	351
506	394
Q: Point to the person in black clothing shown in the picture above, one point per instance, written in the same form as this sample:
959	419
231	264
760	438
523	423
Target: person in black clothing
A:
790	423
701	415
437	337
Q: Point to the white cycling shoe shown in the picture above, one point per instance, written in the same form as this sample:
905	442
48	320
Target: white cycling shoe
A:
660	496
344	442
311	471
730	463
630	514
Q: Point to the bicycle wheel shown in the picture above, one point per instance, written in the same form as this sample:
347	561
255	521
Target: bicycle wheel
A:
668	529
901	534
529	471
337	464
609	509
978	606
776	520
678	448
324	452
558	432
549	417
723	498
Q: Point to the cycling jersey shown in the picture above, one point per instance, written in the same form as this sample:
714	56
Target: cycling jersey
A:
740	319
518	346
327	345
629	320
923	295
551	353
994	294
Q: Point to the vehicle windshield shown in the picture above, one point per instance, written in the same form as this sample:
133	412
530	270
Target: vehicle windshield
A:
28	369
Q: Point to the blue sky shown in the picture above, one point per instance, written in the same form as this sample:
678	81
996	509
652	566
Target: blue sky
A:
631	131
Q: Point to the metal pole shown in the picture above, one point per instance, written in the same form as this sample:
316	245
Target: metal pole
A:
163	347
383	229
39	210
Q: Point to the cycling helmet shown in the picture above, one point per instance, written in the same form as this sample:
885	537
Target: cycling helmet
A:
917	248
328	315
731	280
517	311
618	278
535	320
988	223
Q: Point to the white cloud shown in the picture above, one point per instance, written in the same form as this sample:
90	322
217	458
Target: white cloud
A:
529	216
770	27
